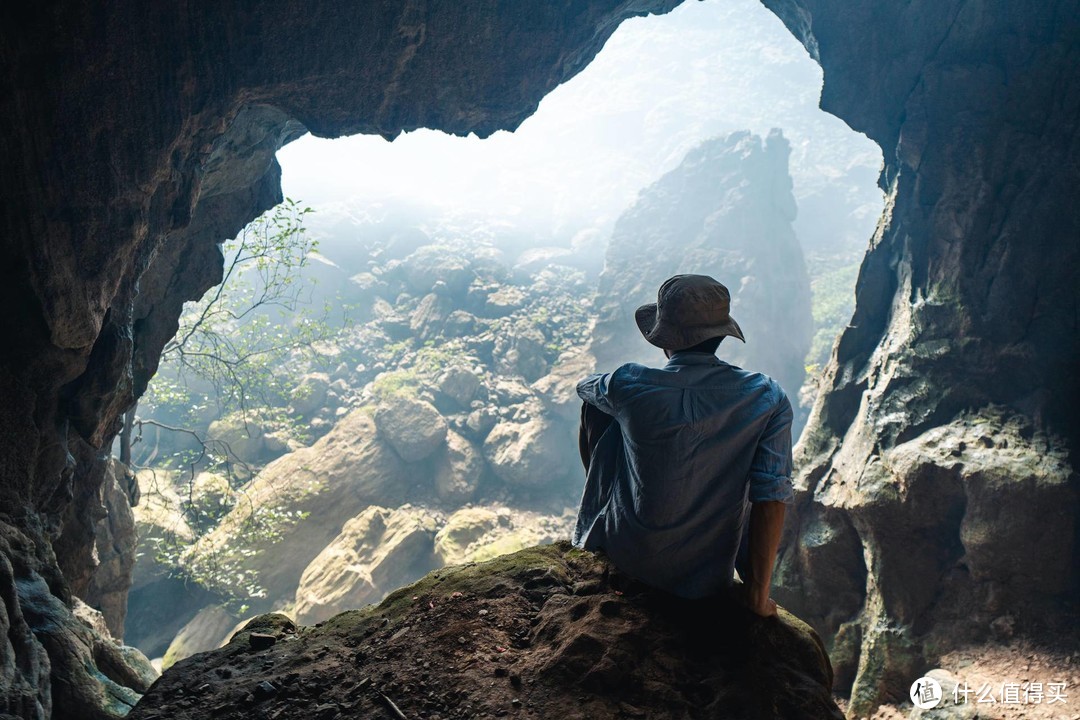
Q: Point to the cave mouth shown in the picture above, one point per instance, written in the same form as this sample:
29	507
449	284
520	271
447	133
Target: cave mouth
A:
452	282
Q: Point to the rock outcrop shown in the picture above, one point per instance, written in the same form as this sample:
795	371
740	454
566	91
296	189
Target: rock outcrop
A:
726	211
135	142
943	442
550	632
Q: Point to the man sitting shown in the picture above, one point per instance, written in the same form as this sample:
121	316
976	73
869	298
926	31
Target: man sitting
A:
687	466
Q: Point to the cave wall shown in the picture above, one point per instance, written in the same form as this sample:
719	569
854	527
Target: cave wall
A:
937	494
134	140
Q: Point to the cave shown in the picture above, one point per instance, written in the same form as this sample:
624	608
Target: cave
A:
134	142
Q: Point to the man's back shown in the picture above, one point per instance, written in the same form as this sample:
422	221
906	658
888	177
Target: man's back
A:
696	440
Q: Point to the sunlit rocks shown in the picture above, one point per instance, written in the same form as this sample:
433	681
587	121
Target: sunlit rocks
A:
376	552
414	428
206	631
238	437
462	530
309	396
434	264
527	454
330	482
458	470
460	384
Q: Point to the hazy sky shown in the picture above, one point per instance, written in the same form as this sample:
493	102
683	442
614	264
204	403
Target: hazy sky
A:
660	86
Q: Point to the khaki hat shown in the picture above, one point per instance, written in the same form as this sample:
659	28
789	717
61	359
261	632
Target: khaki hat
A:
689	309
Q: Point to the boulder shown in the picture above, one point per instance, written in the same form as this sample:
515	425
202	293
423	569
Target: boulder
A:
554	631
238	437
309	395
330	482
459	384
527	454
377	551
458	470
520	350
558	389
432	264
206	631
461	530
413	427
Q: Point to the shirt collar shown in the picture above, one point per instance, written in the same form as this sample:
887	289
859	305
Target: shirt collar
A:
692	358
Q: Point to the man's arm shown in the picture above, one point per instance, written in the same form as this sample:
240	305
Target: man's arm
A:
766	525
770	491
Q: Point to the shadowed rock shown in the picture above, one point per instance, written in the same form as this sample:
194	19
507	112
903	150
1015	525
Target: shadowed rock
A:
552	631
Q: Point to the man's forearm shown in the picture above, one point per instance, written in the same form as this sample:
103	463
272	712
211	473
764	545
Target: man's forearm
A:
766	526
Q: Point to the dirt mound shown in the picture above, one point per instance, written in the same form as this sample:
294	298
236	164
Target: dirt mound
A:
549	632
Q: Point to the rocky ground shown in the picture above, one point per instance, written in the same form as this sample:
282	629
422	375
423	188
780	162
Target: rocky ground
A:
548	632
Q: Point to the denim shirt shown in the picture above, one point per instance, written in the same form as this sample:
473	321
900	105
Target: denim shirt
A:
669	487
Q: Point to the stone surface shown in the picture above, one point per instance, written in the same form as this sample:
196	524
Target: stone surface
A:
461	530
238	437
965	309
551	631
458	470
206	631
309	395
376	552
332	481
414	428
115	546
527	454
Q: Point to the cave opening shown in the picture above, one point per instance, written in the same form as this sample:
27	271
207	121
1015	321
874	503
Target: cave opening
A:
433	299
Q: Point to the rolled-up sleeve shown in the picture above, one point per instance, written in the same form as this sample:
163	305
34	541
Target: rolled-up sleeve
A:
596	390
770	471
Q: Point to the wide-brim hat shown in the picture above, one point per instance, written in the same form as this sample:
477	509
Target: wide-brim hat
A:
689	309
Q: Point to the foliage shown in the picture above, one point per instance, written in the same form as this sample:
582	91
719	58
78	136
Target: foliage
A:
239	350
244	340
833	298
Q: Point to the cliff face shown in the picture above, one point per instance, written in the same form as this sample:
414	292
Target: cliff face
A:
937	468
133	142
726	211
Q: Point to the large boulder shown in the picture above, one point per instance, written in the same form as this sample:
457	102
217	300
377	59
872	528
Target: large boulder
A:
434	264
377	551
310	394
528	454
296	506
207	630
462	529
413	427
458	470
550	632
237	436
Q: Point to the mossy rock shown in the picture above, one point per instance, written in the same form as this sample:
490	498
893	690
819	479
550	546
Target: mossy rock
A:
553	630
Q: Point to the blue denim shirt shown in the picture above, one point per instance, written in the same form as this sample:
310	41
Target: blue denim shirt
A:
669	487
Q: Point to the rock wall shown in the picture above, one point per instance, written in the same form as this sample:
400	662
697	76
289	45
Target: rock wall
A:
132	143
726	211
937	468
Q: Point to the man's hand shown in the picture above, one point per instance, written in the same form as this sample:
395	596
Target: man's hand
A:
759	602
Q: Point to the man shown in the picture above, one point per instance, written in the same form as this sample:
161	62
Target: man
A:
688	466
